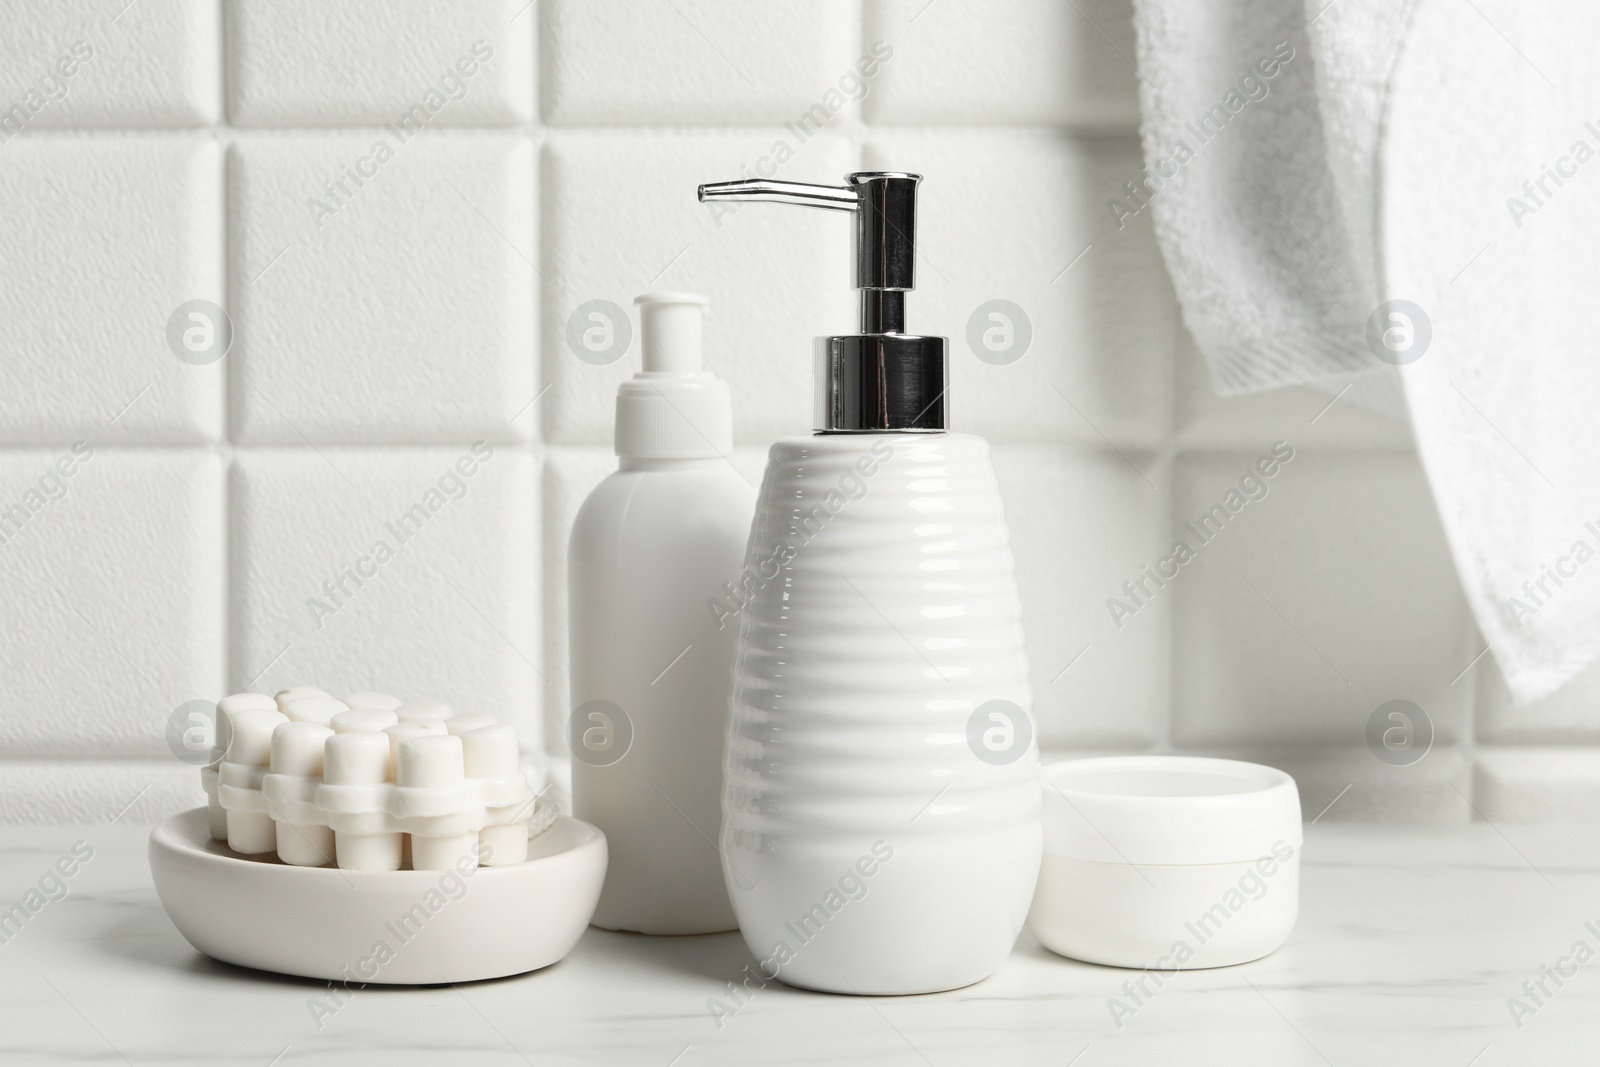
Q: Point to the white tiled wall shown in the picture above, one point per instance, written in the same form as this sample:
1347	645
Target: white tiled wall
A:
401	205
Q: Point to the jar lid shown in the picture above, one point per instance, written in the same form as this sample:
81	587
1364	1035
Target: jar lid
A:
1160	810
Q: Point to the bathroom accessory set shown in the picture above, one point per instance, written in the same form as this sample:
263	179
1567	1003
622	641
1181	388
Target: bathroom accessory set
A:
803	713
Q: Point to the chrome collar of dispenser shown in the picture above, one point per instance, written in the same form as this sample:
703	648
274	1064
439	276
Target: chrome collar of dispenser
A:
881	379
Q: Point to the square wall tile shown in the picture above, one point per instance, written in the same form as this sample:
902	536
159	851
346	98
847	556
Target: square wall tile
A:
85	792
1061	326
1569	716
112	563
1021	62
1082	520
305	63
1538	784
107	236
1340	784
1311	598
1301	414
570	475
620	219
383	287
412	571
91	63
638	62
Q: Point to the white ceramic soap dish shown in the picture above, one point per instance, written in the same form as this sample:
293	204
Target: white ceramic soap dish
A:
387	927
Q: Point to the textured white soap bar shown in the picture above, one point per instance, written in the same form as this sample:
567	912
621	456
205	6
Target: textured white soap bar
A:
368	783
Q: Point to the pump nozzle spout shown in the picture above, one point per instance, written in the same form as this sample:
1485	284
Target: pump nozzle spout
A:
802	193
883	378
885	203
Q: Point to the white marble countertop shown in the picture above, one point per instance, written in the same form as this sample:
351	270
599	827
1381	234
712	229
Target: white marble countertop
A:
1410	943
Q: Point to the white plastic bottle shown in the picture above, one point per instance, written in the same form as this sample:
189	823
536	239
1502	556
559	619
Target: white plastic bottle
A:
651	552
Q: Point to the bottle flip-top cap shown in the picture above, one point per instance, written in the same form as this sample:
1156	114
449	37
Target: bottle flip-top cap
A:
881	379
673	408
670	327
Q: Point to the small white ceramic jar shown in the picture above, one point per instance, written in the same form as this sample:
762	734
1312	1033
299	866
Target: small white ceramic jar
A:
1167	862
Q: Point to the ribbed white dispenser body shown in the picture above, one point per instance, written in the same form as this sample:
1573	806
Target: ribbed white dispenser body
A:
868	846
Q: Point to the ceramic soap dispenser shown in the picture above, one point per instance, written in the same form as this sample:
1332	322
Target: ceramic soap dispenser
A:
881	799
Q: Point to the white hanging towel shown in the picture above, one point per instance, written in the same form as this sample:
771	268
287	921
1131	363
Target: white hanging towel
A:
1403	197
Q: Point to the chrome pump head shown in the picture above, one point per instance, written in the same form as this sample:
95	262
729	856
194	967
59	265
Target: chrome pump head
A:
881	380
